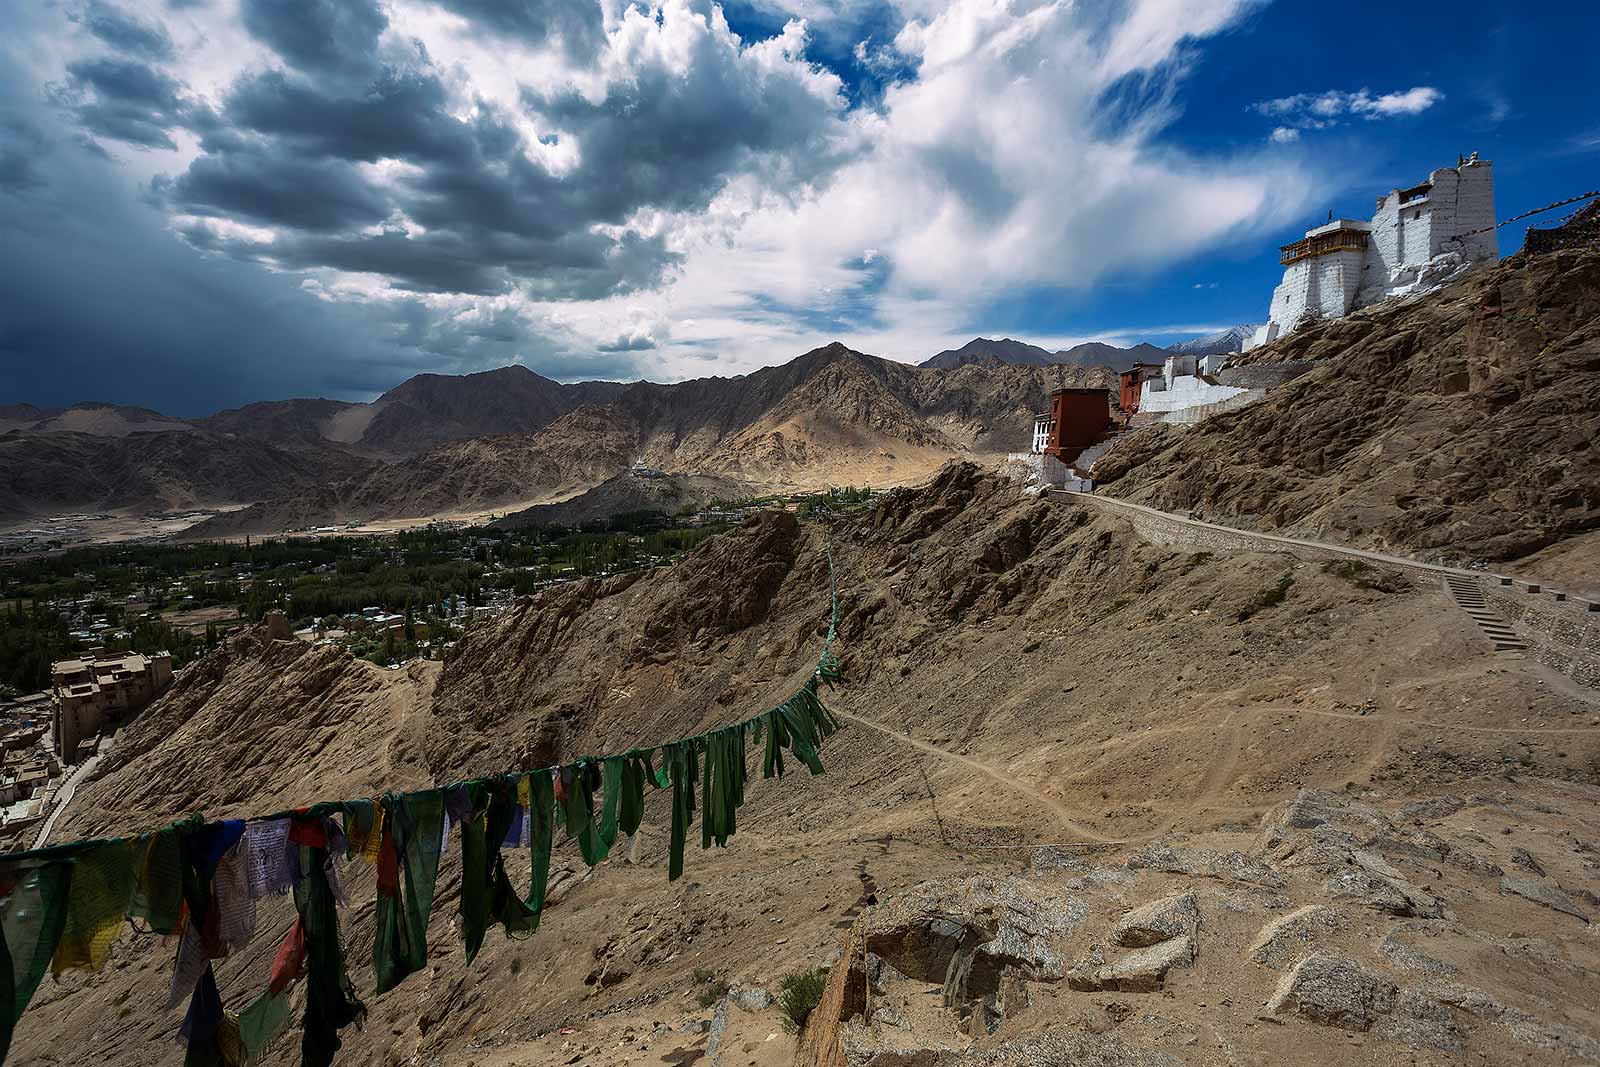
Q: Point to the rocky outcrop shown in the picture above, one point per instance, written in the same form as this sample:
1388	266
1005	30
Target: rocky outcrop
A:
1231	866
1456	424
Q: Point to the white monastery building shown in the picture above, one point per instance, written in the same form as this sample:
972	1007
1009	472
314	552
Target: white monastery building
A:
1418	239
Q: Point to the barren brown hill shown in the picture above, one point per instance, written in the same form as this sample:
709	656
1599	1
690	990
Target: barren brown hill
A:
1459	424
578	450
155	471
1064	824
830	417
621	494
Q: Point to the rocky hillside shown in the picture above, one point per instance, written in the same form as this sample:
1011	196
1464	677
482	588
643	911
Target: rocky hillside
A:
1065	821
1457	424
625	493
420	413
45	472
830	417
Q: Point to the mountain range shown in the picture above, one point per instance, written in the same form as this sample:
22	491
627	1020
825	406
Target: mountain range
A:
1087	354
460	444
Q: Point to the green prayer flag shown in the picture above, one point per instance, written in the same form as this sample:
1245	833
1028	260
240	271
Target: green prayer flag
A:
331	1001
682	769
506	908
542	814
611	770
475	870
632	807
412	827
33	912
262	1022
158	880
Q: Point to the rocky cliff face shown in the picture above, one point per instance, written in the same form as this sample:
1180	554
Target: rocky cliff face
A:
1456	424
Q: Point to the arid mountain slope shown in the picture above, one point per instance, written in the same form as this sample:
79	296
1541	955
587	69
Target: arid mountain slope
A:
830	417
665	494
155	471
420	413
1461	424
574	452
1037	676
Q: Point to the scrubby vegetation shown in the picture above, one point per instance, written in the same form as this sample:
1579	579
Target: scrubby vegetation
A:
799	995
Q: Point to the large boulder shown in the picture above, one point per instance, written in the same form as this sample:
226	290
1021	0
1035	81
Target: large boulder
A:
1143	970
1159	920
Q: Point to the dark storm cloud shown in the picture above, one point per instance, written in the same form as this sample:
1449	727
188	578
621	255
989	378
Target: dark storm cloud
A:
22	144
327	37
575	25
486	216
125	32
398	116
125	100
262	186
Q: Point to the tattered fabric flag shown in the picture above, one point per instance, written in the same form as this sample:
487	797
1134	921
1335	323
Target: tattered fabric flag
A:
267	857
681	767
722	790
506	907
158	881
374	839
261	1023
331	1001
541	830
359	817
475	863
236	908
408	867
578	809
486	890
611	769
289	964
102	887
203	1024
33	911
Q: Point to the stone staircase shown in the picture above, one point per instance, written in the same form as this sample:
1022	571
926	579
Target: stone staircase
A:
1091	455
1465	592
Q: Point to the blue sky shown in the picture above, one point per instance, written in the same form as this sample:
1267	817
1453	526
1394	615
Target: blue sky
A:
209	202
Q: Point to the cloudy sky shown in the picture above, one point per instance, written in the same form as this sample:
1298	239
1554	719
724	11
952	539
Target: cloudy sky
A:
207	202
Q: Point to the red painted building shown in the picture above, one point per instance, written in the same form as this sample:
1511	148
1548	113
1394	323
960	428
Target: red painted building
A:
1132	381
1078	418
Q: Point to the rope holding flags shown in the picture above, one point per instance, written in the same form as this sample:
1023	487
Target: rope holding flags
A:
61	907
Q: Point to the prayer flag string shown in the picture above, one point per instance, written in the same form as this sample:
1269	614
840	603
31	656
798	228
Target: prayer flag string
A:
62	906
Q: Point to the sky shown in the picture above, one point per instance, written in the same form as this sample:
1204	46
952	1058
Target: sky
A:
205	203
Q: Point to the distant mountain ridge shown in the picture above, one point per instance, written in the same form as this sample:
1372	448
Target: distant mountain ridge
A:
830	416
1212	344
1086	354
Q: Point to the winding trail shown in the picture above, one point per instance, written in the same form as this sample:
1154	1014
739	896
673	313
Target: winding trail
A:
1062	813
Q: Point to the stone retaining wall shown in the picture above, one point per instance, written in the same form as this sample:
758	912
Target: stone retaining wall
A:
1562	631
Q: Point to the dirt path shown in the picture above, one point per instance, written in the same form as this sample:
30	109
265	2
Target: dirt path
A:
1065	816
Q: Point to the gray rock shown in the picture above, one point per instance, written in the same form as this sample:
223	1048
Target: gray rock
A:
1420	1022
1284	940
1334	990
1140	971
1055	858
1372	881
756	999
1541	893
1159	920
1408	957
1205	863
1439	807
719	1025
1521	857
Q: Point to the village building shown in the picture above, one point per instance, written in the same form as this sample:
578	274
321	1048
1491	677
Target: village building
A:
1417	239
98	690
